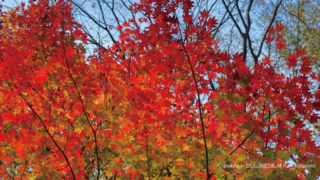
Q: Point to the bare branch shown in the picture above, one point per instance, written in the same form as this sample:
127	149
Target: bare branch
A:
267	30
233	19
96	22
112	10
240	14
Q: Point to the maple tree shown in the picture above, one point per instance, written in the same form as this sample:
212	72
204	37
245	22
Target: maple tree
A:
162	102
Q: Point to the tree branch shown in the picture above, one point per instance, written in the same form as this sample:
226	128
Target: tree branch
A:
94	131
267	30
266	146
199	108
235	149
47	130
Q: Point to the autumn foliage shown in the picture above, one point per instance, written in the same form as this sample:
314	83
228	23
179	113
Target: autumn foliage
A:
162	102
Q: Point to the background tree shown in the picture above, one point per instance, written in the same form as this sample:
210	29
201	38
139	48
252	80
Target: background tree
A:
303	26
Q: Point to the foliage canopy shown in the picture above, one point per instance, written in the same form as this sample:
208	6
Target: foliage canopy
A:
162	102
